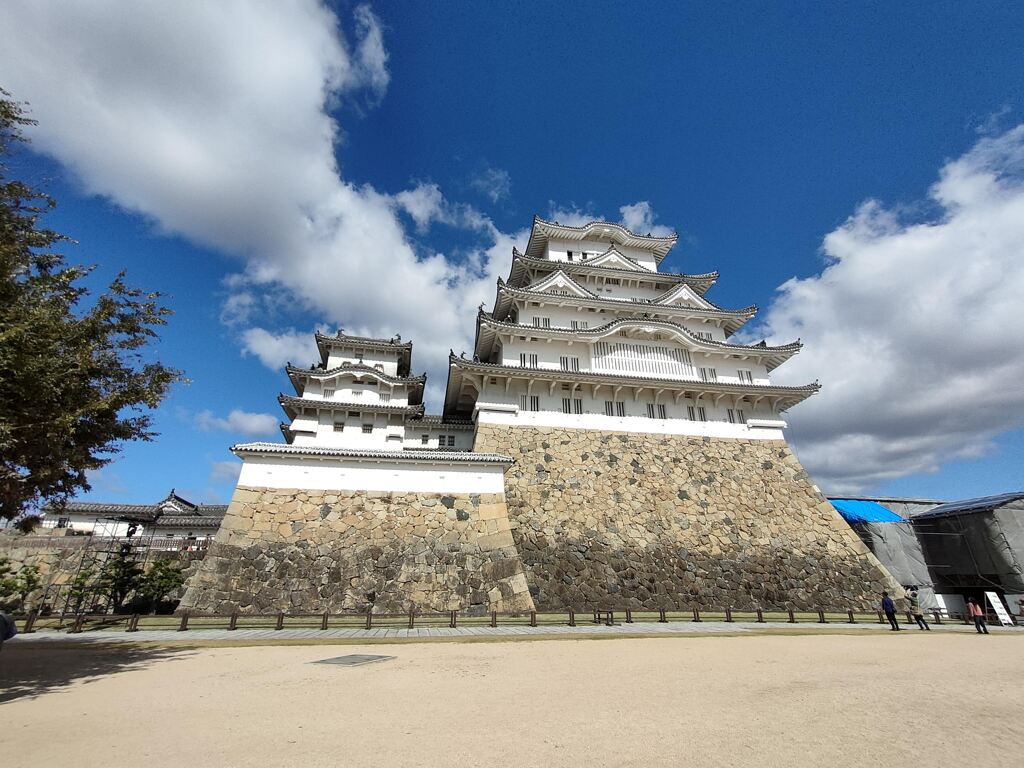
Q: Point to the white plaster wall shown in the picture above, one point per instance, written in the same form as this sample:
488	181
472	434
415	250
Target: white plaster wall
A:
549	354
346	391
414	437
384	425
327	474
635	424
387	360
557	250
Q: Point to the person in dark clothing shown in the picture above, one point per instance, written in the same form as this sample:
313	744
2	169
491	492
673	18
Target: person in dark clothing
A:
977	613
889	609
915	610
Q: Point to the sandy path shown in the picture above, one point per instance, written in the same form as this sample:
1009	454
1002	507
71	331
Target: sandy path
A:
934	700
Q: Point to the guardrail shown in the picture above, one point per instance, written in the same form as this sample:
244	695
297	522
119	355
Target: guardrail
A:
186	620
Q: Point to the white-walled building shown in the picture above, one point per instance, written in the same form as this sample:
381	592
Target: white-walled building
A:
586	333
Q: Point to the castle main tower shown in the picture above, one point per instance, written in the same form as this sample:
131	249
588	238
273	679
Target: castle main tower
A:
651	464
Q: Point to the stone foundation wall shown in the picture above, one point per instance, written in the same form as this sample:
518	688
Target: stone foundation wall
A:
606	518
59	558
313	551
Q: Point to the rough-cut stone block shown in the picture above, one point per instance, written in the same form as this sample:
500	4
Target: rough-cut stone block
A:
382	550
659	520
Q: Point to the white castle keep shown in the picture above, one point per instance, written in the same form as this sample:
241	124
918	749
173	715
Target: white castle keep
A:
606	438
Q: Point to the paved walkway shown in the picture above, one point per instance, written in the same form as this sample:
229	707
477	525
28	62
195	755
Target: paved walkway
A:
587	629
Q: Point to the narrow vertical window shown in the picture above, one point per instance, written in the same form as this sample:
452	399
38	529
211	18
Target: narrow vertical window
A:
662	414
424	439
620	408
451	441
690	413
731	414
650	410
385	397
534	402
328	394
702	415
609	408
566	405
746	377
522	402
741	417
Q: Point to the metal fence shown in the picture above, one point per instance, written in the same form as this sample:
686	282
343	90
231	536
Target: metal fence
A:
186	620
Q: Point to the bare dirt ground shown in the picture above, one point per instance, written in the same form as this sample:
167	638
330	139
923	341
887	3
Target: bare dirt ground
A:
831	700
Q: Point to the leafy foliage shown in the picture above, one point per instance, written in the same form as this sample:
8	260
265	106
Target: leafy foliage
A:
19	585
162	578
76	377
119	577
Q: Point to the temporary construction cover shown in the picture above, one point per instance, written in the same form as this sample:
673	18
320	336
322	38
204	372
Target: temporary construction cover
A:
976	543
891	539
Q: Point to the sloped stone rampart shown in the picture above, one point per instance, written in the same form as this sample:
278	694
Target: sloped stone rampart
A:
312	551
607	518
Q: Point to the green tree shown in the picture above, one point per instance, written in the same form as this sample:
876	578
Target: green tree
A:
163	578
81	587
118	578
15	588
76	376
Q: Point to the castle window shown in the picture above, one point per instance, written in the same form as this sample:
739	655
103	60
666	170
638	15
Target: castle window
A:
385	397
451	441
328	394
570	363
379	366
542	322
529	402
354	414
359	357
359	392
662	412
650	410
578	325
708	374
339	426
702	415
367	429
614	408
424	439
528	359
746	377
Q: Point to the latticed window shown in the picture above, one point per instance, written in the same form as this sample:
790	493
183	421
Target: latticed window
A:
328	394
385	397
708	374
529	402
367	429
528	359
746	377
339	426
569	363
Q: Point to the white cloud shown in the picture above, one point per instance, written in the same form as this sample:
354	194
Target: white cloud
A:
225	471
639	218
212	119
914	328
494	183
239	422
571	215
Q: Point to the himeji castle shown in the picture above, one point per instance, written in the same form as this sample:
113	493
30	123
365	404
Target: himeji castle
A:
607	443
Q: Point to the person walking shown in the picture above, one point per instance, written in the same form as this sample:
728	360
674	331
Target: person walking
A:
977	613
915	610
889	608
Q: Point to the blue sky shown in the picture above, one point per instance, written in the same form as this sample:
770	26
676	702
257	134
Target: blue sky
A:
275	168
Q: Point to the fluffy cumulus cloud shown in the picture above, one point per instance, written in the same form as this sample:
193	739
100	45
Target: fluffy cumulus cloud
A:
914	327
639	217
238	422
215	121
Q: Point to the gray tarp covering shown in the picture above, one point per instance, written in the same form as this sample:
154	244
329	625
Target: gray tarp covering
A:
975	547
897	548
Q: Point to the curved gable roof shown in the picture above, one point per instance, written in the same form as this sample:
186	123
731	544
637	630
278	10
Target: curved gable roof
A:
543	230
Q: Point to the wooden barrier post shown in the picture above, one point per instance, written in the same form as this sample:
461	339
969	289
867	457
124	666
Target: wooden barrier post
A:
572	618
280	620
412	617
76	626
30	622
792	618
533	618
728	614
821	617
133	623
369	618
494	618
760	616
881	619
233	621
184	621
611	618
938	616
454	619
324	619
849	613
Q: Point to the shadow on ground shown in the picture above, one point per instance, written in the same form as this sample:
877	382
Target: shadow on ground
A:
29	670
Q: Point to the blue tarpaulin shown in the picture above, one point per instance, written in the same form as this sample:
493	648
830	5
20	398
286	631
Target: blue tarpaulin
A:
856	511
